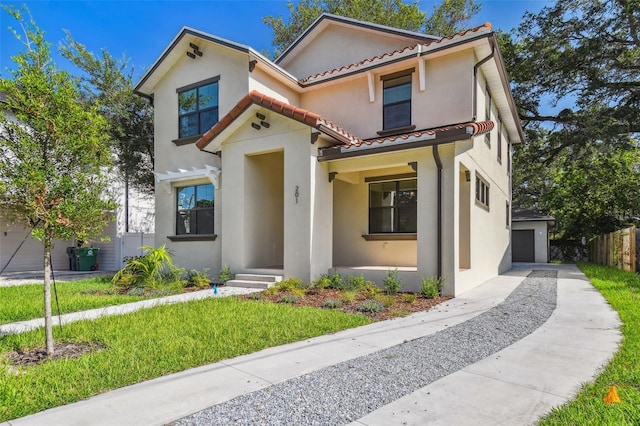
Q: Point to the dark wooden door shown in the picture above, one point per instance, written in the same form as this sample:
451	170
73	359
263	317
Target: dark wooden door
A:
523	246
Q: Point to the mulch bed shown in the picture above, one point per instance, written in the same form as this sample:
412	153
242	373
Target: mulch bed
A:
61	350
399	307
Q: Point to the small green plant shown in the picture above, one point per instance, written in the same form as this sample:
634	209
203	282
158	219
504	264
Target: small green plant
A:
255	296
224	275
370	306
353	282
321	283
195	278
145	271
289	284
288	298
392	282
271	291
409	298
348	296
431	287
369	290
331	303
386	300
336	281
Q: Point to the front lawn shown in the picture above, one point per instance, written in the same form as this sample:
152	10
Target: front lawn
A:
25	302
152	343
622	291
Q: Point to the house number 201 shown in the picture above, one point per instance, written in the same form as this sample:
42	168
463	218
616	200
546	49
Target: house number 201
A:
297	193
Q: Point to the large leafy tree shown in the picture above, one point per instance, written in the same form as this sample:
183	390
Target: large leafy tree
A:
449	17
576	72
108	81
53	157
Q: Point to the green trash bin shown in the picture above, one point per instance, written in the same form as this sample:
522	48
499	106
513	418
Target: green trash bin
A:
86	258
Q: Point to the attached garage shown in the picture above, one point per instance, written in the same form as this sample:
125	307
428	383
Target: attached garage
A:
529	236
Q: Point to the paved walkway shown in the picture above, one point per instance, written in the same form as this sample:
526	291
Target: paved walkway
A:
512	387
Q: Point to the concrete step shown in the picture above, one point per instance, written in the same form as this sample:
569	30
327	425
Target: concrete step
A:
249	284
257	277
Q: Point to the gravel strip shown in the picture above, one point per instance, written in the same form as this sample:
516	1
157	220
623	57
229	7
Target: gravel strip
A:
347	391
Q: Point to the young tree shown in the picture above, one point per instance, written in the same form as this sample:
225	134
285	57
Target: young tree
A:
53	156
447	18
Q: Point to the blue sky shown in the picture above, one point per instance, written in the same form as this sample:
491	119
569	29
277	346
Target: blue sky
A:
142	29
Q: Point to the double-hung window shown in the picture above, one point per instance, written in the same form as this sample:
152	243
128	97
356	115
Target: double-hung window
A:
396	99
197	107
393	206
487	113
195	210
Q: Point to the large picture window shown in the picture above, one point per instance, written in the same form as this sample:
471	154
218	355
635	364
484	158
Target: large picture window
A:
393	206
197	108
195	210
396	98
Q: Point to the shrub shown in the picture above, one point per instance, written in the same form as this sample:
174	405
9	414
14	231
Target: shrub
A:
290	284
386	301
321	283
288	298
255	296
392	282
144	271
330	303
336	281
370	306
409	298
348	296
370	290
353	283
431	287
224	275
195	278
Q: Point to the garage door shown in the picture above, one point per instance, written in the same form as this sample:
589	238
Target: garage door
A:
522	245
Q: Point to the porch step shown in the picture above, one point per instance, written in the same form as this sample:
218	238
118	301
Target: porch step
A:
254	281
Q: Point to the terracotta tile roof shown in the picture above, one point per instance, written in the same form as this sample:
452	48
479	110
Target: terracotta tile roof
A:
476	128
390	55
293	112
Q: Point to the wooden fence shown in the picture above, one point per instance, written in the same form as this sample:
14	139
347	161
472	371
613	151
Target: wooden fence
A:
617	249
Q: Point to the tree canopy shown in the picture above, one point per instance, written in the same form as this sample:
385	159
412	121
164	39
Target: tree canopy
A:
448	18
575	71
53	157
108	82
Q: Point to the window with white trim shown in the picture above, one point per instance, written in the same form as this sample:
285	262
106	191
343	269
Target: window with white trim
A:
487	112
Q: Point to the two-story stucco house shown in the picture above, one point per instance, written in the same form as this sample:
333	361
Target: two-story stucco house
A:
362	148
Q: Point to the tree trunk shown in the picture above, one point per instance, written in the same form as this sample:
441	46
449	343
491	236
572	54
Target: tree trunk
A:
48	320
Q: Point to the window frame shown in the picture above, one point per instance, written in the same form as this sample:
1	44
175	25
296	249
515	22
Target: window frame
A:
482	194
487	113
499	140
181	212
395	207
198	112
385	106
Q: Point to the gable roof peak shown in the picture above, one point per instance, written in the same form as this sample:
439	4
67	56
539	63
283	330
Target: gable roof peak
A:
326	19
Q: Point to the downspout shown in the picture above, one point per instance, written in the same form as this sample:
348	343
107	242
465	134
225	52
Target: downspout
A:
436	157
476	67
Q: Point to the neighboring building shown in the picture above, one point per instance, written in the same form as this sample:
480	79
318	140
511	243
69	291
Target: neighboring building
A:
530	235
363	148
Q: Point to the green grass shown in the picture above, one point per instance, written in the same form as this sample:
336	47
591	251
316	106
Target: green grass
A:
622	291
151	343
25	302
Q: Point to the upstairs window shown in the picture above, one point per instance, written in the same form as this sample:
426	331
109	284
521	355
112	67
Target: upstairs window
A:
197	107
393	206
482	192
499	140
396	99
195	210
